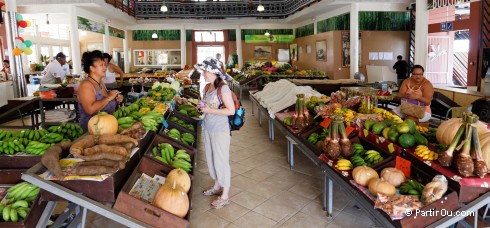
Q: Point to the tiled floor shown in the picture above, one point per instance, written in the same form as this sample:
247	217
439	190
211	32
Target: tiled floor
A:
264	191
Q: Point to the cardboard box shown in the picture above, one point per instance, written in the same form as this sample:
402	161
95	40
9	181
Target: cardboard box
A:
142	210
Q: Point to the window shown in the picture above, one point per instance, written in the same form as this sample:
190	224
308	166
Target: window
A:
209	36
67	52
56	31
32	58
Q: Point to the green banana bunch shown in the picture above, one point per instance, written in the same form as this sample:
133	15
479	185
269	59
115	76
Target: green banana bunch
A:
36	148
182	164
52	138
174	133
187	138
411	187
149	123
372	157
125	122
6	134
11	147
166	153
20	195
313	138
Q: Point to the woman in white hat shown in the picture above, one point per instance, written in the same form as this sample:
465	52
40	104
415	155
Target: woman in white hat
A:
216	129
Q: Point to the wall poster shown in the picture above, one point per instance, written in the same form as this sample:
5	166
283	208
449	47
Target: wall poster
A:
293	52
321	50
263	52
346	49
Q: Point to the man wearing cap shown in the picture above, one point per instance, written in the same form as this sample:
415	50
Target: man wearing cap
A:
55	71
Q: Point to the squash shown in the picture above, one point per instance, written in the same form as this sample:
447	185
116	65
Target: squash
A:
172	198
393	175
363	174
103	124
485	147
180	177
381	186
447	130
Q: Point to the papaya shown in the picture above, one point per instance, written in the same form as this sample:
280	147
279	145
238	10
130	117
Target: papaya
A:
378	128
420	139
406	140
403	128
411	125
368	124
393	135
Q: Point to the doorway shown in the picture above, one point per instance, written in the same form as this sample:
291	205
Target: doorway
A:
461	47
204	51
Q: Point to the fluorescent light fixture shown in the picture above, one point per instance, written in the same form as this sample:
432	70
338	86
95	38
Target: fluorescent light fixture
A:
154	35
164	8
267	33
260	8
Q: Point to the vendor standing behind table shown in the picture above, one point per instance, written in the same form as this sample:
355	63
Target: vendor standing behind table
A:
110	75
55	72
93	96
417	88
401	67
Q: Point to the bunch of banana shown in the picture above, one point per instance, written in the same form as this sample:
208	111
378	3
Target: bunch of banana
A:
160	108
180	159
133	107
68	130
182	123
11	147
357	160
18	207
358	149
343	164
124	111
22	141
388	115
411	187
144	110
372	157
151	120
23	191
348	114
425	153
125	122
32	134
6	134
136	115
52	138
36	148
174	133
422	129
187	139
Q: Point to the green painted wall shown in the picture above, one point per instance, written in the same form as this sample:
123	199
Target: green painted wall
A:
139	35
306	30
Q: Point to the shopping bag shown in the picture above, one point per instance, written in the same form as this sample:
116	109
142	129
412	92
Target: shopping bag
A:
132	96
412	108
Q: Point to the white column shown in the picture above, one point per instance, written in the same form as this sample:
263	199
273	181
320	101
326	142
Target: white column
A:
126	52
315	27
106	38
19	82
421	32
354	39
239	47
183	47
74	41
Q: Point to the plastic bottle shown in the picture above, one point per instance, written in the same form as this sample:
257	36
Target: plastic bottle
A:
384	86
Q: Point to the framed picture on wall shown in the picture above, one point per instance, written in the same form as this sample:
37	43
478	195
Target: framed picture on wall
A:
321	50
293	52
263	52
346	49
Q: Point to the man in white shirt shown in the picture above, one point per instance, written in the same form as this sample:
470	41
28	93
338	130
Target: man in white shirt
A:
55	70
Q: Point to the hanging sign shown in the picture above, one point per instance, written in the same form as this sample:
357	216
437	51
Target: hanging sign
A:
447	26
116	32
444	3
89	25
269	39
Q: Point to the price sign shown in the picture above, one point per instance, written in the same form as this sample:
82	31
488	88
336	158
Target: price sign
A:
403	165
326	122
349	130
165	124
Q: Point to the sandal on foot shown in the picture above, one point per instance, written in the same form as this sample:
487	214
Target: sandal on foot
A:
219	203
212	192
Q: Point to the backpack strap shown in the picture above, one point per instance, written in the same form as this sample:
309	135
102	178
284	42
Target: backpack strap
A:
220	96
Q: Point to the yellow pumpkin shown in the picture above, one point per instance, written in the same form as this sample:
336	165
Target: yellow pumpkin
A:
103	124
172	198
447	130
180	177
363	174
393	175
381	186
